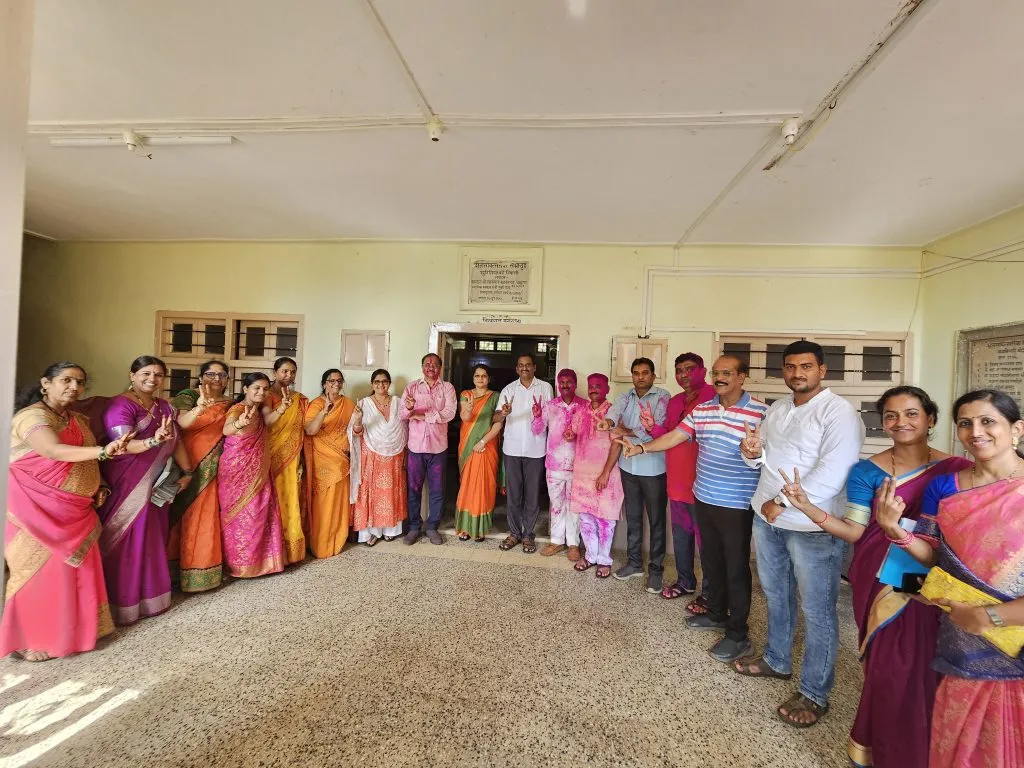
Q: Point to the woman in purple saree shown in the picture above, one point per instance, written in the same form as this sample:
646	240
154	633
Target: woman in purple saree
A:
133	543
897	633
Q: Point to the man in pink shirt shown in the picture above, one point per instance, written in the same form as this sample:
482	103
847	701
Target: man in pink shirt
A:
681	468
556	416
428	404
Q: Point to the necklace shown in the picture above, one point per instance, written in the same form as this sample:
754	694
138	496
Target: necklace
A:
893	457
974	475
138	399
60	416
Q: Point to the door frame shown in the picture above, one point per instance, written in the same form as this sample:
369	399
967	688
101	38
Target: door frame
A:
438	332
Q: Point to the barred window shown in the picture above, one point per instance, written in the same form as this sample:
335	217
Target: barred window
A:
860	369
246	343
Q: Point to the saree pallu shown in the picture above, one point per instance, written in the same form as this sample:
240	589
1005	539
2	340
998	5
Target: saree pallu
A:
56	600
478	472
896	633
378	488
979	707
250	521
134	539
591	454
327	462
194	518
285	438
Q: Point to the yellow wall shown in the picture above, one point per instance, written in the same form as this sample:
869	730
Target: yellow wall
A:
969	296
96	302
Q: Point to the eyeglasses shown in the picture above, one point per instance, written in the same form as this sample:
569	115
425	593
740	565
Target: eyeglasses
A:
214	375
381	381
335	381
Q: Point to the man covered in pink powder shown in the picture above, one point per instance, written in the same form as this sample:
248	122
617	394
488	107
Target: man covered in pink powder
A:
681	468
556	416
596	481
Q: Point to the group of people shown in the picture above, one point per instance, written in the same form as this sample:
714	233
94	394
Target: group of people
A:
208	484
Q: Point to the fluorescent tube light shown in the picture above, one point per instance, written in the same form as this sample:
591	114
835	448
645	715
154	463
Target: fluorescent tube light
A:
147	141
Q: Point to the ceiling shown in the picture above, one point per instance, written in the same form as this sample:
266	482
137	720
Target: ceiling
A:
566	120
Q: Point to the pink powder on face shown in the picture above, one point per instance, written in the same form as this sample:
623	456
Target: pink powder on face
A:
598	382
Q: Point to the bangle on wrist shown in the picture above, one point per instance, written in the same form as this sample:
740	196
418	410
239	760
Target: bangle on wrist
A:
103	454
821	523
642	449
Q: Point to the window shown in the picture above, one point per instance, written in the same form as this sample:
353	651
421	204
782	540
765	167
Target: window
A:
542	347
485	345
458	343
246	343
365	350
625	349
503	346
860	369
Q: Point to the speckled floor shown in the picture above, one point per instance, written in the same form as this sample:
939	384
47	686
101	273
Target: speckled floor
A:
415	656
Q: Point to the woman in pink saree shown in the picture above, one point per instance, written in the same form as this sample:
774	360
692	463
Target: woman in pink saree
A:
250	520
56	601
135	528
972	528
897	633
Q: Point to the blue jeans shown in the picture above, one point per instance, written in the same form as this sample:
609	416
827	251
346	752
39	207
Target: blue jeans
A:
792	561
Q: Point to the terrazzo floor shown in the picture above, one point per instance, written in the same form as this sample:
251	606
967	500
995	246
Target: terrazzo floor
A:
415	656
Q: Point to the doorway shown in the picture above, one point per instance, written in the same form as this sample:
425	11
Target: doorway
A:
499	350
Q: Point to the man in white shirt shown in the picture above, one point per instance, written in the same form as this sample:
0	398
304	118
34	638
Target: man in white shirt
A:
819	434
524	451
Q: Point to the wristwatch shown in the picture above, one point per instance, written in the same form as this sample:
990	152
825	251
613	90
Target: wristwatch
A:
997	620
781	500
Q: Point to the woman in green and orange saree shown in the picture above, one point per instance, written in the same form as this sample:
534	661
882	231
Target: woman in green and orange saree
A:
478	458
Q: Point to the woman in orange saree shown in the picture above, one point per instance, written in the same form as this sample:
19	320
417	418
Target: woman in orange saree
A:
284	412
478	458
327	461
195	540
56	600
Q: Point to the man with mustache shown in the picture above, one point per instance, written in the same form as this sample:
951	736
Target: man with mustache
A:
556	416
723	488
524	452
818	434
643	477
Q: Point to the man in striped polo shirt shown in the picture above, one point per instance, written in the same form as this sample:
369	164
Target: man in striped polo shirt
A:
723	489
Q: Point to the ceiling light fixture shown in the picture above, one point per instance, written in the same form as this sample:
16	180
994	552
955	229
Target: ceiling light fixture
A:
133	140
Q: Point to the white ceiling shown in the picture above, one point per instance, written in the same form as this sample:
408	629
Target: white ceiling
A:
926	143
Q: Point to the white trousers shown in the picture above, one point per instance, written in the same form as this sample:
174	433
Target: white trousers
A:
565	526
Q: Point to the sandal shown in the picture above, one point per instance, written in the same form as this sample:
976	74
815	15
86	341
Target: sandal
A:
697	607
371	542
758	667
672	591
529	546
509	542
463	537
390	538
798	705
603	571
583	564
480	539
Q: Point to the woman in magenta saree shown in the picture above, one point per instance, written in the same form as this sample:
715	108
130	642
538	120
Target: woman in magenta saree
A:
134	539
250	520
56	601
897	633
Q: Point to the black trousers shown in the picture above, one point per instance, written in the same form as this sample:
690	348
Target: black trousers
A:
725	556
523	477
643	491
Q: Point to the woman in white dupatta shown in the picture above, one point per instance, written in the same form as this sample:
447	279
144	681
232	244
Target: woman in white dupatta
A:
377	437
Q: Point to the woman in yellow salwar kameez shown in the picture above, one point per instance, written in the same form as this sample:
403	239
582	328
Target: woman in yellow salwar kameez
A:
327	464
284	413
